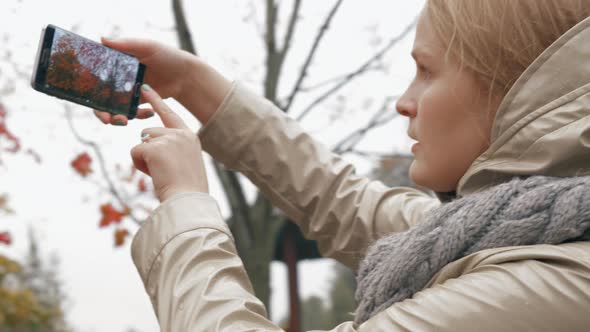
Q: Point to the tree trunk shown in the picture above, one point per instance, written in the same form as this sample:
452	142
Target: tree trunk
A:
255	230
257	263
258	253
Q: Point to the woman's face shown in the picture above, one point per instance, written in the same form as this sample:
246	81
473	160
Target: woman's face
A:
449	115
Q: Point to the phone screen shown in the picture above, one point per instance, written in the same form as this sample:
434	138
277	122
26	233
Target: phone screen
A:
91	74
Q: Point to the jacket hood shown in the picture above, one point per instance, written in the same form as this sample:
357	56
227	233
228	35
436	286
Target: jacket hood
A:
543	123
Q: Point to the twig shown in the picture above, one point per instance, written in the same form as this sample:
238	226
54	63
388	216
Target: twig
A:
290	30
254	16
111	186
315	46
378	119
362	69
332	80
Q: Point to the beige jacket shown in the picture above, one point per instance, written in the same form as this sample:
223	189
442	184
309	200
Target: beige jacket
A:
187	260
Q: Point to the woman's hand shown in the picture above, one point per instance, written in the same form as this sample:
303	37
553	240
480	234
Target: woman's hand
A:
172	156
173	73
166	71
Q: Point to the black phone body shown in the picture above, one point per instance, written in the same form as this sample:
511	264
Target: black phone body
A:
71	67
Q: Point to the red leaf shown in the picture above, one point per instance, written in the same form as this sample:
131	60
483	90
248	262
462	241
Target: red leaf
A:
120	235
5	238
5	132
82	164
111	215
141	185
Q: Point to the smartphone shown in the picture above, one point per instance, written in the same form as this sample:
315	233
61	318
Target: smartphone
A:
71	67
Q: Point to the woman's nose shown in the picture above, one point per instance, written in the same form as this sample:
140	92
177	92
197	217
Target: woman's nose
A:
406	107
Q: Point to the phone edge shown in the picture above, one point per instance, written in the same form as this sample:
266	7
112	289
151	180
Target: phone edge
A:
136	93
49	29
37	57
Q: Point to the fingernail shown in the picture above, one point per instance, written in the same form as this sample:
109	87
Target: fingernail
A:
101	119
119	123
149	114
146	87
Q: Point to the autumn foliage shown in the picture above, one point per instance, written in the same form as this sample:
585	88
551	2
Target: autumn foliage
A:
22	306
6	134
110	215
120	236
89	71
5	238
81	164
141	185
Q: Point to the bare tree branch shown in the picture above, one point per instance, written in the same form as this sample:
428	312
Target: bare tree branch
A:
334	80
381	117
253	15
184	34
290	30
229	180
273	68
321	32
101	162
271	21
362	69
237	202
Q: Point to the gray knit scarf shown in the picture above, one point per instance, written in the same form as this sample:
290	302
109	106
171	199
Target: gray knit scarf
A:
523	211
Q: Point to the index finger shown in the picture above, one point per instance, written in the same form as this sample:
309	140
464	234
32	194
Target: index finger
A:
169	118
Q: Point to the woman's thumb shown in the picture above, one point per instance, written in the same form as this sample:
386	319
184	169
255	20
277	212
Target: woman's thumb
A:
138	157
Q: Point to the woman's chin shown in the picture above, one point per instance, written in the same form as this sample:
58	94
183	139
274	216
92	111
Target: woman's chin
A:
421	176
416	173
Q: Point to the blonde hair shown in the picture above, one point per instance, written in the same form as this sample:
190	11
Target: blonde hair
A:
498	39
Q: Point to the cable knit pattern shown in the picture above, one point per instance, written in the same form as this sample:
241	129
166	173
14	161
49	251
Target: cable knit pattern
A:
523	211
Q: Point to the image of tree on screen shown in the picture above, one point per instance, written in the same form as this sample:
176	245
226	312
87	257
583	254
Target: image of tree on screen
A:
92	72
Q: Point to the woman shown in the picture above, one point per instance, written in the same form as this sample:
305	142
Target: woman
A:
500	107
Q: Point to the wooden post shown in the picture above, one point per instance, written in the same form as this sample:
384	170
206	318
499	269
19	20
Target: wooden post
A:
290	258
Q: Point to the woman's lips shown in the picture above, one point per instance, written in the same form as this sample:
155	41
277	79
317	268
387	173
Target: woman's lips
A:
415	147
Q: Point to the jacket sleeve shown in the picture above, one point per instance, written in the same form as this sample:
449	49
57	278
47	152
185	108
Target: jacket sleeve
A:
187	261
317	189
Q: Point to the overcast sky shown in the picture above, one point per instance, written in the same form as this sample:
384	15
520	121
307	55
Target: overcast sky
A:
104	290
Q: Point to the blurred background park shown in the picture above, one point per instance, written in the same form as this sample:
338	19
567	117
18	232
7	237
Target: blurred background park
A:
70	201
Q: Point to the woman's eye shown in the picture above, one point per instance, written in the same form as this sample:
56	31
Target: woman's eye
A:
423	71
